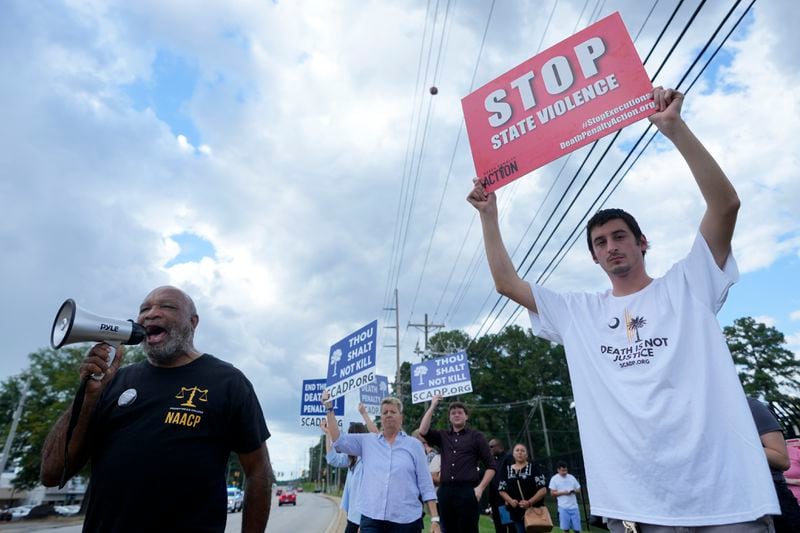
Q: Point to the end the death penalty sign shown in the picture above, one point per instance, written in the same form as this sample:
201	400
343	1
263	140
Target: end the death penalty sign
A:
311	409
372	394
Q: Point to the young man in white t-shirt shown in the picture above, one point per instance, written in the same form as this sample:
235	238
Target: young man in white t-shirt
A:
564	487
667	437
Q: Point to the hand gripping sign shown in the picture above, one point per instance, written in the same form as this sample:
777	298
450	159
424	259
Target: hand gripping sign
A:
372	394
311	408
352	361
448	376
579	90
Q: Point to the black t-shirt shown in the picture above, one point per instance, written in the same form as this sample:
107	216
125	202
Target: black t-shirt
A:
158	459
502	460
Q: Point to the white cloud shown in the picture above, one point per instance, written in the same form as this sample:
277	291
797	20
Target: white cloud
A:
793	339
766	320
184	144
793	343
795	315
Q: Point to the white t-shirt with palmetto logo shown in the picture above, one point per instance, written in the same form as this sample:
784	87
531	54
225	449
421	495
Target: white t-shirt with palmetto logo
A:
666	432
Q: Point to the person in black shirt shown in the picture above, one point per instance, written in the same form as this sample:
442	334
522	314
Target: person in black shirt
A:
159	433
462	449
771	435
502	459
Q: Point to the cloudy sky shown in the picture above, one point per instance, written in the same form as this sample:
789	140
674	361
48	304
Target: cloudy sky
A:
285	164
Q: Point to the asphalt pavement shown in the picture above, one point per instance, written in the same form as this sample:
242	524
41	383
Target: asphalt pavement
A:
314	513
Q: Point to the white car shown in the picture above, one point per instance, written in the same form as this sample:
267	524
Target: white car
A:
235	500
18	513
67	510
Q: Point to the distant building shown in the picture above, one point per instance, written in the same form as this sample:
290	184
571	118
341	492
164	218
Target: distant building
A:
71	494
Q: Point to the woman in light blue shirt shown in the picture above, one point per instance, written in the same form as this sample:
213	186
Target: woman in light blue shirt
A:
395	477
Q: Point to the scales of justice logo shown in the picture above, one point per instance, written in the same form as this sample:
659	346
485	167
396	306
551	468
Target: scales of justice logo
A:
203	397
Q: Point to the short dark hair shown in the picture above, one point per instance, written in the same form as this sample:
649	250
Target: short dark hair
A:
356	427
458	405
607	215
561	464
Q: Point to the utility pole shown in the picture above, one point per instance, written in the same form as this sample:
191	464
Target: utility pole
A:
426	326
396	344
319	468
14	422
544	427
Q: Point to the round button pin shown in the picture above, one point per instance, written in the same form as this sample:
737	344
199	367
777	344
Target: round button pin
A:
127	397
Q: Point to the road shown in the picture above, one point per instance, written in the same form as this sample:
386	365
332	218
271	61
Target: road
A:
312	514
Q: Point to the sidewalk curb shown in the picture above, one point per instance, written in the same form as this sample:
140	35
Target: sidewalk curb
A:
339	523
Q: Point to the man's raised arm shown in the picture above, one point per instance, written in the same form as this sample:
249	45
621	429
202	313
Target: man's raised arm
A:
427	418
722	202
506	280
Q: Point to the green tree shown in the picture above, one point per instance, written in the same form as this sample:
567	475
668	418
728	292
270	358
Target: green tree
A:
52	378
766	368
447	342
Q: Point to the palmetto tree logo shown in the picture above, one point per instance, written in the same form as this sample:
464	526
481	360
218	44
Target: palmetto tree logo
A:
635	323
384	387
419	372
336	356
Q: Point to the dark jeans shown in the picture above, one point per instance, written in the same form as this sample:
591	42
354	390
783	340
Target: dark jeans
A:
789	519
458	508
370	525
352	527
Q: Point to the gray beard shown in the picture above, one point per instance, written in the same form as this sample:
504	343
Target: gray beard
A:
178	344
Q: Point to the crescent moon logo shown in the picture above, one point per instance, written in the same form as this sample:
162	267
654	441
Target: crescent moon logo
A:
614	324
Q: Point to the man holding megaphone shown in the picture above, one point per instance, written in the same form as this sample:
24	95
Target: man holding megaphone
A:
159	433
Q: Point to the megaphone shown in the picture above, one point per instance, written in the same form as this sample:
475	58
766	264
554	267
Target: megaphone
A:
73	324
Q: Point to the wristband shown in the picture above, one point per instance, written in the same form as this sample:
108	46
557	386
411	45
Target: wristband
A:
435	519
330	409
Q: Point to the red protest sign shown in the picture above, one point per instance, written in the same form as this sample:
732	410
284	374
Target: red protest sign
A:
573	93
